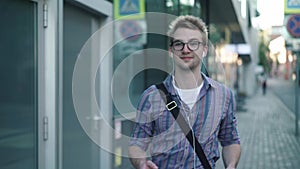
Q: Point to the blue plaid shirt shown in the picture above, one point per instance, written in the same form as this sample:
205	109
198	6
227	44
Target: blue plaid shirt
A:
212	119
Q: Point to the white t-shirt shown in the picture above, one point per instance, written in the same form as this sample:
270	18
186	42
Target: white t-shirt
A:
189	96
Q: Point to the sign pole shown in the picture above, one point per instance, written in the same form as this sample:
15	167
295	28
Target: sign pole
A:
293	27
296	47
297	94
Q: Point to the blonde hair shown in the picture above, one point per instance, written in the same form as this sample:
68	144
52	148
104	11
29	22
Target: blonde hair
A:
190	22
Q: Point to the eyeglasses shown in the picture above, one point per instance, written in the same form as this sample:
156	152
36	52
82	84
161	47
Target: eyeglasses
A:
192	45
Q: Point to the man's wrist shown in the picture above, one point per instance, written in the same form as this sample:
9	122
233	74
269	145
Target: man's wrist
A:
230	167
141	162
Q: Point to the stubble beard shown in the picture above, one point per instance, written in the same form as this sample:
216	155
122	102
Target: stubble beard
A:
188	67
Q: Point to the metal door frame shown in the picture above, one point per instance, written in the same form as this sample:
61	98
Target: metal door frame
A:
42	135
101	7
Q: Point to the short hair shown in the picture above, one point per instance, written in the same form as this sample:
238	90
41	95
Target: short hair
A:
190	22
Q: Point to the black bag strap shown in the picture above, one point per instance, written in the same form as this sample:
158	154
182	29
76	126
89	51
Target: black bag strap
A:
171	105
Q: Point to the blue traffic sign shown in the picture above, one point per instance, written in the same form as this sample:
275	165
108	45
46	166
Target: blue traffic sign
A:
293	25
129	9
292	4
130	30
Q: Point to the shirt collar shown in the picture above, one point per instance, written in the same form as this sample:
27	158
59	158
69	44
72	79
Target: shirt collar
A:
169	85
206	83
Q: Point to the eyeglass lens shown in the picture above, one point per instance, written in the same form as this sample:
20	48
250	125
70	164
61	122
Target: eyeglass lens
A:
192	45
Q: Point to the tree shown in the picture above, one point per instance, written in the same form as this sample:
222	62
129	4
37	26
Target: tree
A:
263	57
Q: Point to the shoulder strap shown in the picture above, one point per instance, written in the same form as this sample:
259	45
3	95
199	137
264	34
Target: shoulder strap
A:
171	105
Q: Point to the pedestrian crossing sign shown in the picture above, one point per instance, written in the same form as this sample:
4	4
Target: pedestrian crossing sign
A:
291	6
129	9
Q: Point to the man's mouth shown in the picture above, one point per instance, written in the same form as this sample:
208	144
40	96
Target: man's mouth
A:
186	58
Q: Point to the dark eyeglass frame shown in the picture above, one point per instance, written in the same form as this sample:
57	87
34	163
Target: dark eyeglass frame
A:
186	43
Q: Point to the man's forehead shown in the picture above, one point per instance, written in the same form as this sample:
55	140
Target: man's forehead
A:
187	34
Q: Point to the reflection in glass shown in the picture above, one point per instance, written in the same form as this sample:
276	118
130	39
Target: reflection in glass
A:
18	98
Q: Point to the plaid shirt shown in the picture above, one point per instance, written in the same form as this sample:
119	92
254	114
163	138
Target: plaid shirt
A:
212	119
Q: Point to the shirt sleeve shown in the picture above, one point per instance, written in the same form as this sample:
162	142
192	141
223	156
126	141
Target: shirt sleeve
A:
228	133
143	127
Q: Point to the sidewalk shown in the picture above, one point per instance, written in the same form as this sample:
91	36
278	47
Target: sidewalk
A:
267	132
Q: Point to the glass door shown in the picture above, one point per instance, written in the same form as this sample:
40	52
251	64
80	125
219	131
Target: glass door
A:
18	73
78	148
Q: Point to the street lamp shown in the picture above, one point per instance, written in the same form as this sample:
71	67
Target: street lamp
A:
239	62
296	47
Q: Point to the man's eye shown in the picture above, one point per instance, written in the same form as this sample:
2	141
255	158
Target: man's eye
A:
177	44
193	43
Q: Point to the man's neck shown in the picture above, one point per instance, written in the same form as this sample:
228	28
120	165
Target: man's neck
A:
188	79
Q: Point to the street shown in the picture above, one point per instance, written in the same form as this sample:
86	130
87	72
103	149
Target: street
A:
284	90
267	129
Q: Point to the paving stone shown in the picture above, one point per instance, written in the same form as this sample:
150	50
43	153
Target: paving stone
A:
267	133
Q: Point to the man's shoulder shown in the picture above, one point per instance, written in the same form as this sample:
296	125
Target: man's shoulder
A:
218	85
215	83
150	91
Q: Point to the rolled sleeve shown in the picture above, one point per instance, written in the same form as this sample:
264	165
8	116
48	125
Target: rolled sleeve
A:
228	130
143	127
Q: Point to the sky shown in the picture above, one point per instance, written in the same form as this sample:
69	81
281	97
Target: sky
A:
272	13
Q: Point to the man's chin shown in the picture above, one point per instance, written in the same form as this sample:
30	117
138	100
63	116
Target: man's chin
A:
186	67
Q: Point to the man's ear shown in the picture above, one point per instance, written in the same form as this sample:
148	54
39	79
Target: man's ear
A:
204	53
170	53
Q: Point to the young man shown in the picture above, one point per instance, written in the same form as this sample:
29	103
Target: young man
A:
207	106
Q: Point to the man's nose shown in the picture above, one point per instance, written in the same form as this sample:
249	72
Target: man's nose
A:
186	48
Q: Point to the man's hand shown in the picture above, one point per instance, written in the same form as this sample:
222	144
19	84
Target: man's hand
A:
149	165
138	158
